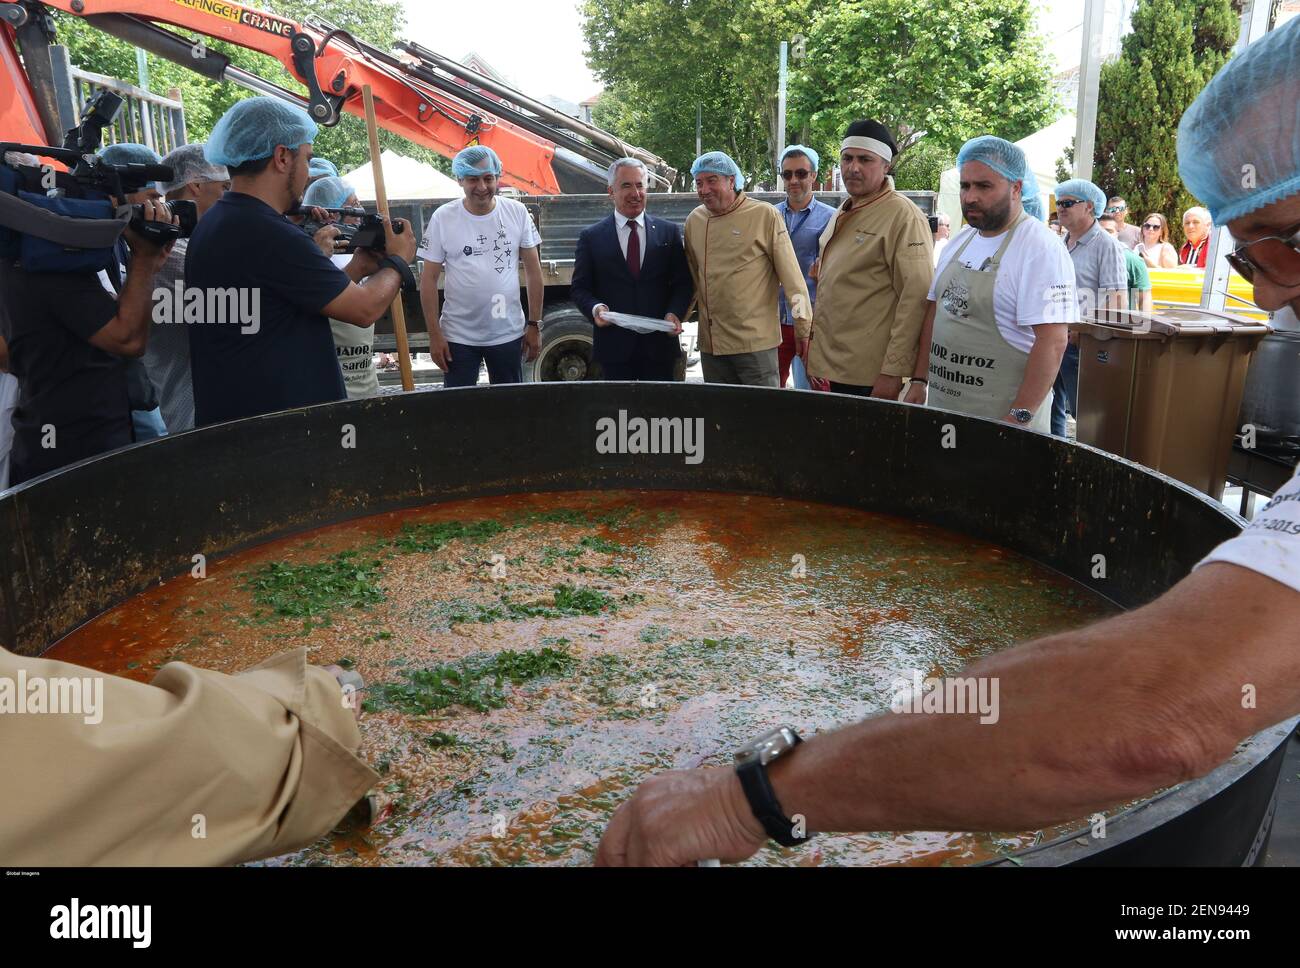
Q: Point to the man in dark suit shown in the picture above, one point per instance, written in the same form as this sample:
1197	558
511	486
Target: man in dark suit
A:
631	262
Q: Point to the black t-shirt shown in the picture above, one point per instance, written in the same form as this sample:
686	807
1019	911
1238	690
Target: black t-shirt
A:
284	357
47	319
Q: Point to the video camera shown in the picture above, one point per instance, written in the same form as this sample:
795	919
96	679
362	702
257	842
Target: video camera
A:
366	234
90	190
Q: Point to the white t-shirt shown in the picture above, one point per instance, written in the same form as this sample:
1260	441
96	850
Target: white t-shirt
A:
1035	283
480	260
354	346
1270	545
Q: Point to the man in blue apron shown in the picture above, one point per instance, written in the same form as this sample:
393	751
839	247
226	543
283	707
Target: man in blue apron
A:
1003	295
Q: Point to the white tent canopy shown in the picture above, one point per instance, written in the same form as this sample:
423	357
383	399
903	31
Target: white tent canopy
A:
403	178
1042	148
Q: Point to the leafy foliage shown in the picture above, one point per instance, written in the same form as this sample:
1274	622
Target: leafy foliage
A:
1175	47
946	71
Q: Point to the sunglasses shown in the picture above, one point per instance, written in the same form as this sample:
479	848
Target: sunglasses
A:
1276	258
1116	208
1068	203
1153	226
801	174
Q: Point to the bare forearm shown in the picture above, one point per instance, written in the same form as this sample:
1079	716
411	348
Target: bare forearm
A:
1085	720
1040	371
381	288
536	291
922	369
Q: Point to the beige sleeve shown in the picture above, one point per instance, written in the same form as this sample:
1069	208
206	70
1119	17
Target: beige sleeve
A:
913	271
195	768
791	276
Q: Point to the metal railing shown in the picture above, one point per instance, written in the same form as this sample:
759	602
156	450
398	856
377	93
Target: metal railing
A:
146	118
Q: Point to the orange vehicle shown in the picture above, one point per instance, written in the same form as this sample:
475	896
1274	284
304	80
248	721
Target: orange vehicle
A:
428	99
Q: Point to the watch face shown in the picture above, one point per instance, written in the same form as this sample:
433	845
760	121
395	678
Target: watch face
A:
769	746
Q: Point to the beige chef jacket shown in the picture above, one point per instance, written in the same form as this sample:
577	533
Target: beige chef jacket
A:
739	260
194	768
873	278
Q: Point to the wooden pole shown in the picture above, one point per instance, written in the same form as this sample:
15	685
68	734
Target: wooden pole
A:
381	202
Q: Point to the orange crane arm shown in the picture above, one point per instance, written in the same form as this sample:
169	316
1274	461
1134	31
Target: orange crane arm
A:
333	67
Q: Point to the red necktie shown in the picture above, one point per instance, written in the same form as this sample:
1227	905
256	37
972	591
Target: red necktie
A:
633	251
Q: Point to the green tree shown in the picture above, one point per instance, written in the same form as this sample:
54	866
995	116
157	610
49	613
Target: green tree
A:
379	22
1174	49
659	59
920	168
943	71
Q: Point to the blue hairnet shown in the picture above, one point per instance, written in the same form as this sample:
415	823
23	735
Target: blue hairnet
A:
1031	198
1086	190
254	127
800	150
1002	156
322	166
1239	142
329	192
474	161
129	154
718	163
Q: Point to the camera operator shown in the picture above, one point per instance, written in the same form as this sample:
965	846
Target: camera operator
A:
168	357
146	413
284	358
68	343
354	345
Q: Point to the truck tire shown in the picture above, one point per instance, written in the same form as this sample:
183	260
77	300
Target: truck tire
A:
566	352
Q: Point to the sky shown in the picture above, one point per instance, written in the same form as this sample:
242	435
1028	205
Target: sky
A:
538	44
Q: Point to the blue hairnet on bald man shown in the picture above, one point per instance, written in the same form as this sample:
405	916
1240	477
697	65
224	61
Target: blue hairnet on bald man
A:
254	127
474	161
1239	142
1085	190
1002	156
129	153
800	150
328	192
322	167
718	163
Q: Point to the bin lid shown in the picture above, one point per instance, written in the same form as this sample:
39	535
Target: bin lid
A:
1174	321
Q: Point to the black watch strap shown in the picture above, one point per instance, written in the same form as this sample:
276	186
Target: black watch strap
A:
391	261
762	801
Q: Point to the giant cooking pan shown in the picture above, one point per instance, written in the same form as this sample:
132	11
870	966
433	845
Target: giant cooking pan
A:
80	541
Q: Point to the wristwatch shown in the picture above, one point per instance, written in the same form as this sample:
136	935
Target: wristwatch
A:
391	261
534	322
1021	415
751	768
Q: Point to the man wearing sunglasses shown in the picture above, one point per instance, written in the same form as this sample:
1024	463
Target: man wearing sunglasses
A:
1073	737
1129	235
805	218
1101	280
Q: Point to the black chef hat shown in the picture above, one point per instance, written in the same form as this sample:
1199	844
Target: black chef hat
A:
871	136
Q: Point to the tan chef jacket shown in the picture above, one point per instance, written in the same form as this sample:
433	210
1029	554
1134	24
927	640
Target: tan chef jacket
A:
259	764
874	274
739	260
